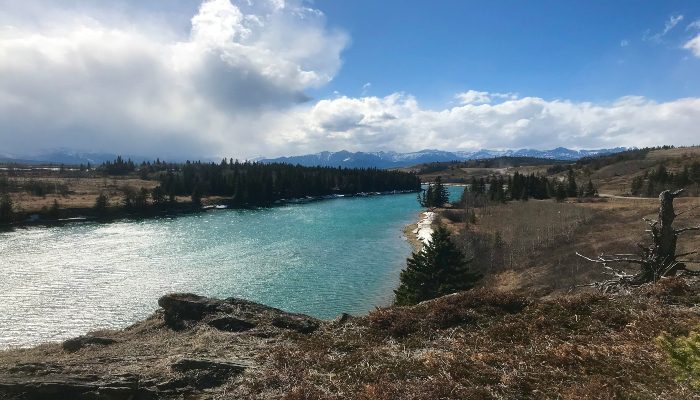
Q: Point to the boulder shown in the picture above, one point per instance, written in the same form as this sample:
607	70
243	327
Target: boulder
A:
181	307
75	344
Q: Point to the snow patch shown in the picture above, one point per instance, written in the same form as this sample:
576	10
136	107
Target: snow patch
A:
424	232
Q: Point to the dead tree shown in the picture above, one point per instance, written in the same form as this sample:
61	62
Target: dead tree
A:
656	260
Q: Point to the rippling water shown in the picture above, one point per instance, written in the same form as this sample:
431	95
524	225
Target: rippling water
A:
321	259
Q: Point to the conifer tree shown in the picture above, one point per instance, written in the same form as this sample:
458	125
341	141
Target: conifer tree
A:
435	196
571	188
6	210
101	203
590	190
437	270
560	192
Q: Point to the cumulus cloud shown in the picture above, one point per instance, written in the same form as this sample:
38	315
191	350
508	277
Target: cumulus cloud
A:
397	122
232	79
693	45
101	83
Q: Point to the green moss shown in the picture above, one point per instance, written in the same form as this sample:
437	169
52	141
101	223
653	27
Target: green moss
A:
684	355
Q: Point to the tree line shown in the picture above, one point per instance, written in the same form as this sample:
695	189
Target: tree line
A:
256	184
655	181
523	187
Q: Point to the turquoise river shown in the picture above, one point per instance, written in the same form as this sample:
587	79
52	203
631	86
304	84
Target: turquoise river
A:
321	258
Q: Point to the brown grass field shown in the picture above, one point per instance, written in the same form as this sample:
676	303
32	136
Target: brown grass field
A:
541	238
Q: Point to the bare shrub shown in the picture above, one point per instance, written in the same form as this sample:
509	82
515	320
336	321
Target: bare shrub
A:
506	235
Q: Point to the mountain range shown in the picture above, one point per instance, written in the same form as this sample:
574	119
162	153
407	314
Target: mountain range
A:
380	159
391	159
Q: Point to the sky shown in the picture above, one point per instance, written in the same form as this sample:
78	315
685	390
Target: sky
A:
247	78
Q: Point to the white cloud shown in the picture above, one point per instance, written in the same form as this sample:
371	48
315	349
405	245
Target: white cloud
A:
365	88
233	83
624	43
104	84
671	23
693	45
477	97
397	122
693	25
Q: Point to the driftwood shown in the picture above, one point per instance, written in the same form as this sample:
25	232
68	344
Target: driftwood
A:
657	260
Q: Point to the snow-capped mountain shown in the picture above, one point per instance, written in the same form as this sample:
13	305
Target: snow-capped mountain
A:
391	159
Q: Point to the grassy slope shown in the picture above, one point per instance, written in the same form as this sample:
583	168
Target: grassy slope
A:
489	345
614	179
481	344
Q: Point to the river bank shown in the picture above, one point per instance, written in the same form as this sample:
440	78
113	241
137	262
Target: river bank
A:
420	233
184	206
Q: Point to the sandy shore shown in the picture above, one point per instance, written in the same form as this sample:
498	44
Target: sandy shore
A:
416	244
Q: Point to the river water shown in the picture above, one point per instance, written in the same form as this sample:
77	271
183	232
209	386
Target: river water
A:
321	259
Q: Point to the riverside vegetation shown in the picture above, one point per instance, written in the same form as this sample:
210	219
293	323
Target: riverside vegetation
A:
121	188
529	328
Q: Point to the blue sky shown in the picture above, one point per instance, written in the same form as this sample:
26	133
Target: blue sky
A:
552	49
244	78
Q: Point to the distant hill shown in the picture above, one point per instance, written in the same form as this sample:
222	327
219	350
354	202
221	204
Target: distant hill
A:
391	159
71	157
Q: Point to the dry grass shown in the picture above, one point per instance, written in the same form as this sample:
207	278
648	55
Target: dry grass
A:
541	238
481	344
82	192
484	345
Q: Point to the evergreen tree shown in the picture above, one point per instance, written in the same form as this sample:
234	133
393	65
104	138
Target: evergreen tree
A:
6	209
560	193
101	203
571	187
435	196
590	190
158	195
437	270
55	210
637	185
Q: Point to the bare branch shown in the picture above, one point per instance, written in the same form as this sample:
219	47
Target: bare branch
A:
679	231
651	222
602	259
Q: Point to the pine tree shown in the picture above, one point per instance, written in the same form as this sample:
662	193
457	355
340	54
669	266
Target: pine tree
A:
437	270
55	210
435	196
101	203
6	211
571	188
590	190
560	193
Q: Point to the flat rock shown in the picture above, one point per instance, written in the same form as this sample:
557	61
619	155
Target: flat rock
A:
203	373
231	324
190	364
75	344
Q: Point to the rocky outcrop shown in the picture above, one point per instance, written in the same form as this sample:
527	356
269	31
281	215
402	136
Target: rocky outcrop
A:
184	310
168	356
